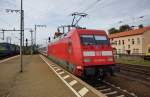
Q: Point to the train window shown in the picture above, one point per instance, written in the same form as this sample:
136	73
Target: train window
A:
87	39
3	47
148	50
101	39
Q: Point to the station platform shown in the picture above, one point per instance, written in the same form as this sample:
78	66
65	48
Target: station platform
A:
40	78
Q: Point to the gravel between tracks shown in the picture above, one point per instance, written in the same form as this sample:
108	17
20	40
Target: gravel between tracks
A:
139	89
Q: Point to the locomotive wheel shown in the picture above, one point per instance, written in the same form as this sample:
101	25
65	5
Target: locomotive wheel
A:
101	74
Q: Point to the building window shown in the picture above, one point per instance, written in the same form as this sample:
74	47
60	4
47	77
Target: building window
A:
137	51
116	42
138	40
128	39
128	46
123	42
119	51
148	50
134	51
133	41
119	42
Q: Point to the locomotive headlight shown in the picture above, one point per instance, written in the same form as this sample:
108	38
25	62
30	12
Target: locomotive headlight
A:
88	53
87	60
107	53
110	59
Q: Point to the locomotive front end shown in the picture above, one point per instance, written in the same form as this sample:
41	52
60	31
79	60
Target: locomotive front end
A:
97	54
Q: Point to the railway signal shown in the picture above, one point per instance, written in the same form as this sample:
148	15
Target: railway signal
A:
49	39
26	42
31	41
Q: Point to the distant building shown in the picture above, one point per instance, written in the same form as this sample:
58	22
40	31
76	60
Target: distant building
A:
133	42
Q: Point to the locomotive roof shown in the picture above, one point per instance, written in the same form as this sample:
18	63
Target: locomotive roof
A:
86	31
80	31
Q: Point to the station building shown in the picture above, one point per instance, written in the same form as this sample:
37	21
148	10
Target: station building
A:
132	42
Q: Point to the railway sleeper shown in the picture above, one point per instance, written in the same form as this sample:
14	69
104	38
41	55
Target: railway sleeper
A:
111	93
105	90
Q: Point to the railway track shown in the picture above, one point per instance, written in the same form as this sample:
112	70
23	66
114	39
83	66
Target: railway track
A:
111	90
141	73
133	72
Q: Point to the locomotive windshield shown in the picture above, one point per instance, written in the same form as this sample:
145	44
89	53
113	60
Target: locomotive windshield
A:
93	39
101	39
87	39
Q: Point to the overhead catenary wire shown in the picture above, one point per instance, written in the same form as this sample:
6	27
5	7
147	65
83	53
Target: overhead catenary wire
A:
78	15
133	20
91	6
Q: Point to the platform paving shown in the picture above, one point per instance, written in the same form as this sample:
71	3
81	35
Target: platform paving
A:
38	79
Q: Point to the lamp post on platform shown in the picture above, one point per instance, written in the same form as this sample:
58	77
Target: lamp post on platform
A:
21	29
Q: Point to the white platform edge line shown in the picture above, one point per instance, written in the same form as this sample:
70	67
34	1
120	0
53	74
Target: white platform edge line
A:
75	92
65	77
61	72
83	91
58	69
72	83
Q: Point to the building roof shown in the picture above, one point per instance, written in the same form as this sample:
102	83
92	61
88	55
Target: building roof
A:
129	33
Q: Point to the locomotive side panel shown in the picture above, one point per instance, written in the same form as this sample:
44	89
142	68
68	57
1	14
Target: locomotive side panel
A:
76	54
58	49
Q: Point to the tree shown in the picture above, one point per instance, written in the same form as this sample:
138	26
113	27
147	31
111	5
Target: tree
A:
141	26
113	30
124	28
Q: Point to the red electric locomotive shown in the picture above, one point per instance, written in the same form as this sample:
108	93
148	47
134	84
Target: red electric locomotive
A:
83	52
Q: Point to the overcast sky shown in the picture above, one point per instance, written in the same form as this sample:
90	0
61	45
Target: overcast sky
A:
102	14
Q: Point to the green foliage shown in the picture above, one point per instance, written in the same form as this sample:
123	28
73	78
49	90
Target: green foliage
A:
141	26
113	30
133	60
122	29
125	28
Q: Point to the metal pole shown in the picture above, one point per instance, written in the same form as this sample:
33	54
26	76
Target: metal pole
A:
3	35
35	35
10	40
31	42
23	30
21	24
7	40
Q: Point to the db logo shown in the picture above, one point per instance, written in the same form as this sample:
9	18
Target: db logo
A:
97	53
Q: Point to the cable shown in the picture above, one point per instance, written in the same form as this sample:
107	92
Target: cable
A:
91	6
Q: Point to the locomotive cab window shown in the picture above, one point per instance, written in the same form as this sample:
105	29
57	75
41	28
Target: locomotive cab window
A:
101	39
87	39
93	39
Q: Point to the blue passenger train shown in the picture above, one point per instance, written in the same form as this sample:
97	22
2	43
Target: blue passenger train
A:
7	49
